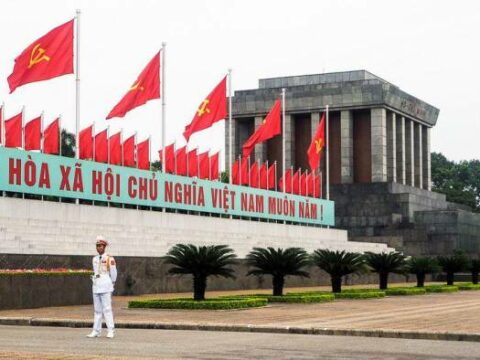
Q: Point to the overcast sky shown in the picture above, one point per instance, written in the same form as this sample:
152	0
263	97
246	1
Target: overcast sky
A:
429	49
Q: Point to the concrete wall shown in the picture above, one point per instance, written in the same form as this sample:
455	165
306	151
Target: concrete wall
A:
44	227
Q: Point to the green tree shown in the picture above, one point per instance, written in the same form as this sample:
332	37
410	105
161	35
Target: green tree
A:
453	264
421	266
338	264
474	268
278	263
384	264
460	181
201	262
224	177
156	166
67	144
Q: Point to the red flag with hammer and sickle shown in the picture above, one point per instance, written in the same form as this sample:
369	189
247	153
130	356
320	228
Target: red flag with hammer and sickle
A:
314	151
145	88
211	110
47	57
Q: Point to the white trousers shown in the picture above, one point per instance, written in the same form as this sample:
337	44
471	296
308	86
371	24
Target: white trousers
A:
102	305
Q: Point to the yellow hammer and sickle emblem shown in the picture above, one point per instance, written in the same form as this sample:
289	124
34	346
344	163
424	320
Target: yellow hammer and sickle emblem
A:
37	55
318	145
203	108
137	86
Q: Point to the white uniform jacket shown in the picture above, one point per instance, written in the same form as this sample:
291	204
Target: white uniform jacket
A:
105	274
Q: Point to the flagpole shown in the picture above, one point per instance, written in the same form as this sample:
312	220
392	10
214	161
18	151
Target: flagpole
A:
327	162
267	177
94	141
283	135
175	157
275	178
59	135
230	137
164	104
2	125
248	171
240	170
108	144
77	85
23	127
135	158
41	133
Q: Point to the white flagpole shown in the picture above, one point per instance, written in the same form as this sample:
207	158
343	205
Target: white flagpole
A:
209	167
94	137
23	127
267	176
327	161
258	173
175	157
77	85
230	137
240	170
283	135
275	176
41	132
149	150
248	170
135	157
108	144
164	104
60	135
121	147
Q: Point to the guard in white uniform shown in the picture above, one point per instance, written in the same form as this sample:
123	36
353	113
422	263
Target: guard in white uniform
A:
104	277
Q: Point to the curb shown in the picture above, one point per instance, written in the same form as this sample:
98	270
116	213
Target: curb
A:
380	333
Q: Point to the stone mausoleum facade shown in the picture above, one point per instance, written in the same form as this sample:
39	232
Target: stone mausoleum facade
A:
380	168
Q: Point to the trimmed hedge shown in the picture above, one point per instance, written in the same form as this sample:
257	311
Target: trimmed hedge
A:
190	304
303	299
441	288
468	286
360	295
405	291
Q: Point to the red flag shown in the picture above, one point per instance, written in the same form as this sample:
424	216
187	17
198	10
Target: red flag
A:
303	184
318	187
244	178
86	143
286	181
203	164
145	88
270	128
211	110
310	184
47	57
101	147
181	161
254	175
115	149
169	158
128	149
214	159
33	134
272	173
236	172
263	176
143	155
296	183
51	138
192	163
13	131
314	151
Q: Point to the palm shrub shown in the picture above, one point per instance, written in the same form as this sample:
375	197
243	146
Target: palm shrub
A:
278	263
474	267
201	262
338	264
453	264
384	264
421	266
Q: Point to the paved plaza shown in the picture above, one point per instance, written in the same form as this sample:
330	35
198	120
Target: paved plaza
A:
432	313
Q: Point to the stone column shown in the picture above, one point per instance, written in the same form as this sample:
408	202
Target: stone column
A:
418	155
260	149
409	161
400	138
391	147
378	121
427	162
227	143
346	146
289	143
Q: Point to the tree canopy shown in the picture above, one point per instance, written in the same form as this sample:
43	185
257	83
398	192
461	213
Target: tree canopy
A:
459	181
